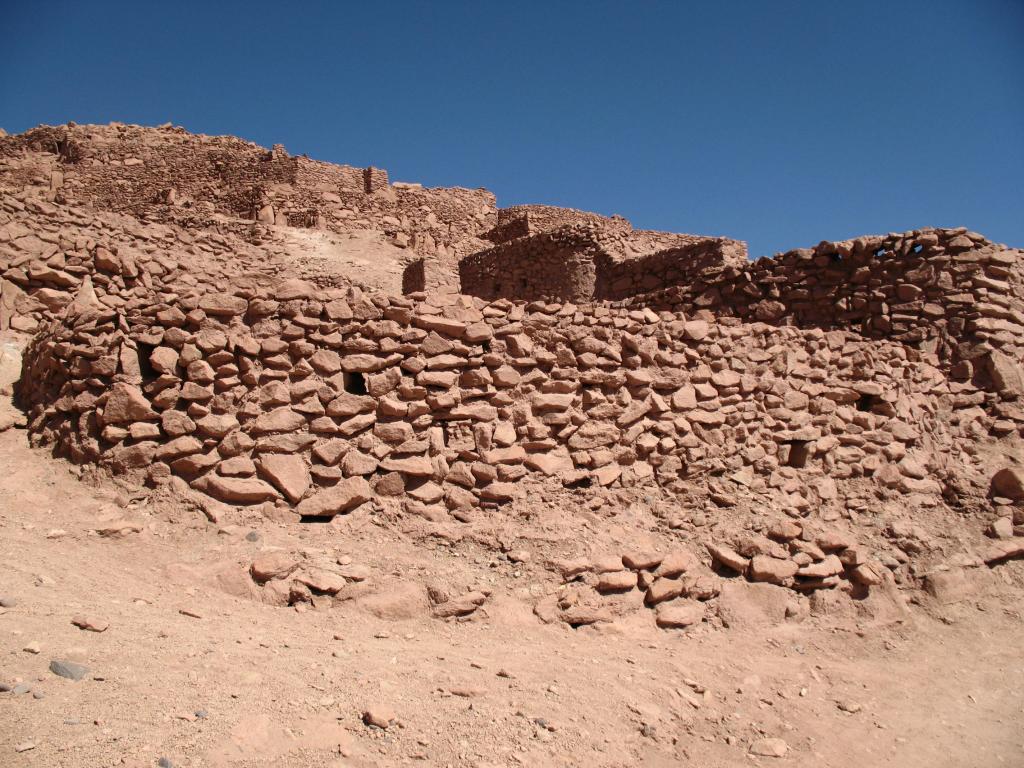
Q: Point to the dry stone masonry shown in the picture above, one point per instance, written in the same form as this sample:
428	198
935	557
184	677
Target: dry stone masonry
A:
534	348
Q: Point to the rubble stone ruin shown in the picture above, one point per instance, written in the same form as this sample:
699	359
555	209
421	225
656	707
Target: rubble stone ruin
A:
177	343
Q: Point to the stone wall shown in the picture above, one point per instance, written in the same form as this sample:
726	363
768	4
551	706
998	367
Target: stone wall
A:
559	263
374	180
582	262
944	290
433	273
315	399
522	220
620	278
167	174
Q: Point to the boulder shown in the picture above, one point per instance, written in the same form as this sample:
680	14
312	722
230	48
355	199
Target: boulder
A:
1008	482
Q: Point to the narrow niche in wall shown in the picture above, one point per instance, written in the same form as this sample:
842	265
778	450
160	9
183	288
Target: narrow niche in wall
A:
867	403
355	382
799	453
581	482
149	373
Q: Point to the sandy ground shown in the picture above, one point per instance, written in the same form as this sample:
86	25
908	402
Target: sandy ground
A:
277	686
364	255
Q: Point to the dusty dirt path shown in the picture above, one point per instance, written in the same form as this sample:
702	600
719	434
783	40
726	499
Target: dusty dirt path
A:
280	687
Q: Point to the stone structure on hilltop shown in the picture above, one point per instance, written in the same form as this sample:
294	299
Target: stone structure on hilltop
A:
586	262
580	354
172	176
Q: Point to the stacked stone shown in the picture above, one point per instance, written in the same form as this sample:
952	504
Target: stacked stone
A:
374	180
257	396
49	252
621	277
680	585
944	289
559	263
167	174
590	262
524	220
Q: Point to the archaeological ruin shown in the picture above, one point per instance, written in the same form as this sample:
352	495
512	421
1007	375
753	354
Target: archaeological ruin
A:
174	345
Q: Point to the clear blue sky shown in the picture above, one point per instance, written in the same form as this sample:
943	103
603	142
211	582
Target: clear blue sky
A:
774	121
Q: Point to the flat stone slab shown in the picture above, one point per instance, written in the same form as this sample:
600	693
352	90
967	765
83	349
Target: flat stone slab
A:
68	669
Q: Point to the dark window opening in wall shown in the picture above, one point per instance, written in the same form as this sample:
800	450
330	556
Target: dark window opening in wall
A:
799	453
355	382
836	257
918	248
445	435
879	252
486	344
867	403
149	373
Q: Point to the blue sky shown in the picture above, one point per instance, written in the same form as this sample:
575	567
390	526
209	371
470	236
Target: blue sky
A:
779	122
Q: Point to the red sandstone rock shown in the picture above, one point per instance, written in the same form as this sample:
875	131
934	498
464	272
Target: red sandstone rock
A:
616	581
223	305
679	614
343	497
245	490
729	558
286	472
278	420
125	404
414	466
772	570
663	589
272	565
1009	483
